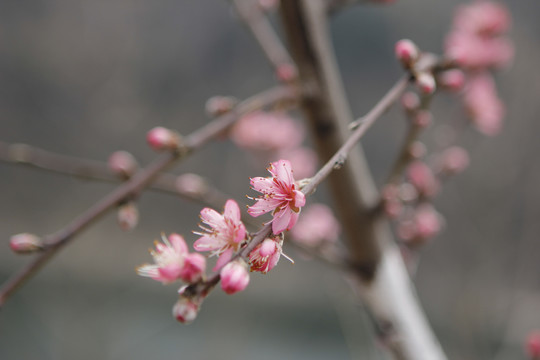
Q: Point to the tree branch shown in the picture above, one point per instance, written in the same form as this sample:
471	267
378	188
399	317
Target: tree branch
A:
386	288
140	180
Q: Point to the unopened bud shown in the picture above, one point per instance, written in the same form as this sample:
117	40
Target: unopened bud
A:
532	345
122	164
422	119
422	178
25	243
128	216
407	52
219	105
454	160
286	72
426	82
410	101
186	309
234	277
160	138
417	150
452	80
191	184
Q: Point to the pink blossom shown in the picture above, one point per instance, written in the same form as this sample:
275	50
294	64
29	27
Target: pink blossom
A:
234	277
476	39
483	105
193	269
469	50
422	178
169	259
316	226
279	195
267	131
426	83
226	232
266	255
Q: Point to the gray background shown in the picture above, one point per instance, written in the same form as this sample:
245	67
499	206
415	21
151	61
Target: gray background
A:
87	78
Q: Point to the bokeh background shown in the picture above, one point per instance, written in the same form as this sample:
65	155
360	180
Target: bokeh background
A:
87	78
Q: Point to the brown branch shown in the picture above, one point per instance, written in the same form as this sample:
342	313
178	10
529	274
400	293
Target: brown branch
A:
36	158
141	180
381	274
267	38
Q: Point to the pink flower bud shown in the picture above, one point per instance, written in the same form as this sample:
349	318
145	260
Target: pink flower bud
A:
234	277
410	101
407	52
160	138
191	184
193	269
122	164
186	309
532	345
427	222
219	105
128	216
422	178
286	72
25	243
426	82
454	160
452	80
422	119
417	150
393	208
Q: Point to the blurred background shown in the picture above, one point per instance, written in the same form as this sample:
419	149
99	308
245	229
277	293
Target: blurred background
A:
87	78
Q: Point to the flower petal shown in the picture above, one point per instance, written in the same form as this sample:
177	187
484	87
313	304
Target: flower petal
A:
223	259
232	211
208	243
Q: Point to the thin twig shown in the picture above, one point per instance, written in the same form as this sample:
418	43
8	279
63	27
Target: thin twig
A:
339	157
141	180
267	38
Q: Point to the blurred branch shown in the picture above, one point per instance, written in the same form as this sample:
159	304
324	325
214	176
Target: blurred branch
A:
31	156
141	180
379	269
267	38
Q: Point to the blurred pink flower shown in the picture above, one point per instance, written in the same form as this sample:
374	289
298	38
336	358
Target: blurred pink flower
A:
303	160
225	235
424	224
279	195
234	277
422	178
266	255
483	105
483	18
316	226
476	39
267	131
170	261
532	345
186	309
